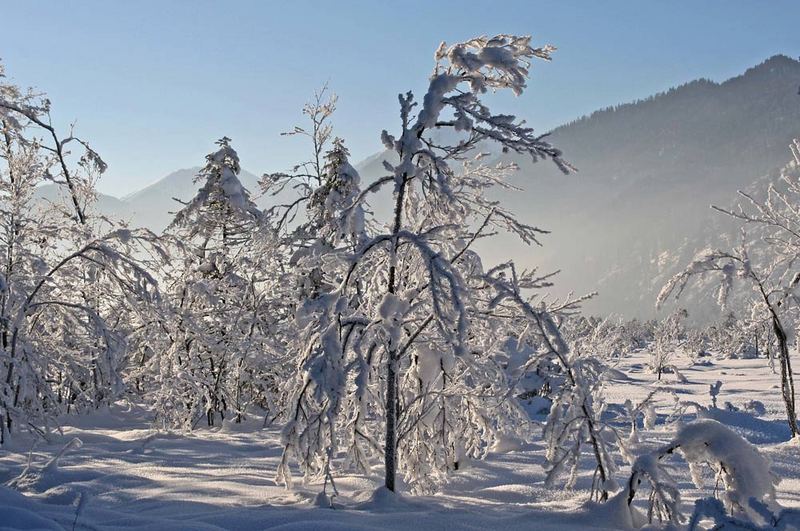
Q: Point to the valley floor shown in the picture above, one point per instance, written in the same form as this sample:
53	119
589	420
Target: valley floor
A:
125	475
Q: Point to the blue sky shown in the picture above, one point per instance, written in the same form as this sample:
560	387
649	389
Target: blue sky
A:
153	84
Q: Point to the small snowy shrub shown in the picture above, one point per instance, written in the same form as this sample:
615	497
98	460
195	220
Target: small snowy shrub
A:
740	472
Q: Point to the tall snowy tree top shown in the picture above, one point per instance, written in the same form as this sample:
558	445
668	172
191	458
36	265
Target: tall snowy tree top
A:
462	73
221	175
502	61
222	199
341	179
13	101
329	204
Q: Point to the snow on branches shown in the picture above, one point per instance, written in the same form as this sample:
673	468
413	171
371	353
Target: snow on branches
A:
742	472
71	288
396	361
766	261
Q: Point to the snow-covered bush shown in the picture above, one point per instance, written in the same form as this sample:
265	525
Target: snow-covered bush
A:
644	409
669	336
710	511
575	420
732	337
740	473
575	424
637	334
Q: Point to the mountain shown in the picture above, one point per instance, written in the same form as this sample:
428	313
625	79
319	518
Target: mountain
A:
106	204
638	208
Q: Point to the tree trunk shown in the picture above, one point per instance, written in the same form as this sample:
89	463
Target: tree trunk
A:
392	396
787	379
390	450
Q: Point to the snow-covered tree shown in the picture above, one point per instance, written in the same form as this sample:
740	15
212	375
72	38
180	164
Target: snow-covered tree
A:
396	361
63	282
28	110
212	358
308	177
765	261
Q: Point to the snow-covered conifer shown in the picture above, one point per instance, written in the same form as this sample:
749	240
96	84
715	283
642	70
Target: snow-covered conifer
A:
214	360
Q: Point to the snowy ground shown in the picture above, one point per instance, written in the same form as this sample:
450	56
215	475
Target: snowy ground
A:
126	476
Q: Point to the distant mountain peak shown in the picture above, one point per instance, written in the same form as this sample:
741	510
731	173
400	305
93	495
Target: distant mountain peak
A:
178	176
777	64
638	210
778	60
781	64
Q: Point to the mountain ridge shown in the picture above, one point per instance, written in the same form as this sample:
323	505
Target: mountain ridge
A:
637	210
